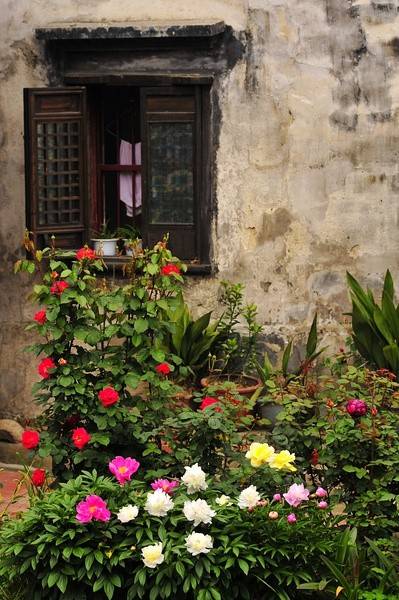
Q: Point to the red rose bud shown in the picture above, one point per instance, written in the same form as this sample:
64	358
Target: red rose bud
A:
54	275
356	408
85	253
62	362
209	401
163	368
58	287
80	437
40	317
170	270
30	439
374	411
44	366
38	477
314	459
108	396
330	403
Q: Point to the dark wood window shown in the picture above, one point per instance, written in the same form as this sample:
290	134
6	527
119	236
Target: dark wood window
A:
139	153
55	144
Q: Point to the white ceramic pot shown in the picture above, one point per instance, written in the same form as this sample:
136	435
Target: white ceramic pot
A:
105	247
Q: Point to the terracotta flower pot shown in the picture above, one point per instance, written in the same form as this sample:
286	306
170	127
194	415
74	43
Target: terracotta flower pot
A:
245	384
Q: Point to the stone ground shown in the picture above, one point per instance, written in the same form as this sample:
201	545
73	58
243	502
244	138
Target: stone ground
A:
9	480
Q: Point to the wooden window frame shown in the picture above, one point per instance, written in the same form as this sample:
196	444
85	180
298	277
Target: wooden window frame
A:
89	172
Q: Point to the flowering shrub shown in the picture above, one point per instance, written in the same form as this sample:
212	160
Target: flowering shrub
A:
95	536
99	345
346	439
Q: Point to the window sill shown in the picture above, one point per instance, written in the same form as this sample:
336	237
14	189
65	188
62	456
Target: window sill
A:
118	262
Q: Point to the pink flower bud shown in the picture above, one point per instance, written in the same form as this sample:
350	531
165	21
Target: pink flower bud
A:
276	497
323	504
291	518
321	492
273	514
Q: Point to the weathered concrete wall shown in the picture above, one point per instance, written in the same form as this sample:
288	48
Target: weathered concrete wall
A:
307	175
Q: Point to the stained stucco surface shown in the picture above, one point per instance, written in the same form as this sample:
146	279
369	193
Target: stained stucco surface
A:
306	168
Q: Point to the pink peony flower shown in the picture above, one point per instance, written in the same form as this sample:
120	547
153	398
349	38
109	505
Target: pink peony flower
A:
356	408
321	492
276	497
323	504
123	468
291	518
296	494
92	508
165	485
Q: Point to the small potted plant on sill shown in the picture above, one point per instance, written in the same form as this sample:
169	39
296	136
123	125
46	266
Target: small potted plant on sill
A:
105	241
132	241
234	360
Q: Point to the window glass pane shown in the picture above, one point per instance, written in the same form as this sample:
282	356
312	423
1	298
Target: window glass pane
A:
171	193
58	173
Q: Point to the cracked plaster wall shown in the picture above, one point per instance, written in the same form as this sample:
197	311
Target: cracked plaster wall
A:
306	173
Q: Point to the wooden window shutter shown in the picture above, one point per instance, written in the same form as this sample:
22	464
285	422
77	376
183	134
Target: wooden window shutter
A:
56	164
171	138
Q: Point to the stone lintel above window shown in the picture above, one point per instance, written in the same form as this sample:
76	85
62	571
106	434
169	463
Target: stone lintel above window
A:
129	30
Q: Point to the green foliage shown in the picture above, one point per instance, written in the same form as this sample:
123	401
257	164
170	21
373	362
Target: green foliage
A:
267	371
357	458
99	336
238	332
375	329
191	340
354	568
252	555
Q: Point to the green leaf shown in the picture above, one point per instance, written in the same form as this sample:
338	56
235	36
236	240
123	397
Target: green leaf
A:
286	358
311	343
141	325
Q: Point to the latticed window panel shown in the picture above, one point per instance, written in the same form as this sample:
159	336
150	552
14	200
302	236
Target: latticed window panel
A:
58	170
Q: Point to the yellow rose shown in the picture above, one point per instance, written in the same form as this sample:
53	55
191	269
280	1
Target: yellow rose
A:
259	454
283	460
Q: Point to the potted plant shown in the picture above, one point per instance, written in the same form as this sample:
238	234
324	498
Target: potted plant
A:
132	241
276	381
234	359
105	241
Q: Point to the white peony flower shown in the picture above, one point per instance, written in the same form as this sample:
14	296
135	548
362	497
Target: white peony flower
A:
194	478
223	500
152	555
198	543
248	497
198	511
127	513
158	503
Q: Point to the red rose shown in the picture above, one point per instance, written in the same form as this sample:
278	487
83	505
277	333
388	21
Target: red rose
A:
85	254
170	269
38	477
58	287
44	366
30	439
209	401
40	317
80	437
163	368
108	396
